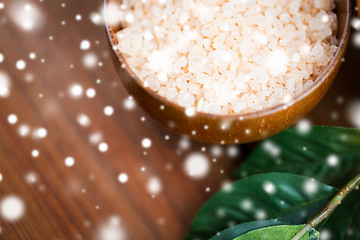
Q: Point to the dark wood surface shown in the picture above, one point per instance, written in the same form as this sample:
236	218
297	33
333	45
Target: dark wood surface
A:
77	202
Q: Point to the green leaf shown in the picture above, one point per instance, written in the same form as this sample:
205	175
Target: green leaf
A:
287	197
314	234
238	230
283	232
235	231
344	223
328	154
325	146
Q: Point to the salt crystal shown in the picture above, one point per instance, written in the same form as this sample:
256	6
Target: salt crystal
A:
209	56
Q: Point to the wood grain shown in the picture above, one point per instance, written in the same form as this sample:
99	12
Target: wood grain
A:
75	202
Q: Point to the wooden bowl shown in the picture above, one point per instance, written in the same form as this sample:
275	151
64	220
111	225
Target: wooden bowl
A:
229	129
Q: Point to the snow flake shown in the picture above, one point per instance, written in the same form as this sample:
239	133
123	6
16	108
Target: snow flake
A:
78	17
154	185
269	187
260	215
216	151
103	147
129	103
26	16
12	208
356	39
32	55
355	23
12	119
90	60
311	187
304	126
146	143
90	93
108	110
30	178
85	44
353	112
271	148
24	130
197	165
325	234
40	133
232	151
112	229
83	120
35	153
190	112
69	161
246	204
21	64
123	178
332	160
75	90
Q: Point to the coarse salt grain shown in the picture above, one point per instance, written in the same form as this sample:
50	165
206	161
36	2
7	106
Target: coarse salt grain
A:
228	57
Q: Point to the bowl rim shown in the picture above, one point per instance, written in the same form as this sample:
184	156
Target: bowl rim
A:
342	44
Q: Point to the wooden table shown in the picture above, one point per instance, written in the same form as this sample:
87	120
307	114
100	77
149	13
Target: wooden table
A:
86	200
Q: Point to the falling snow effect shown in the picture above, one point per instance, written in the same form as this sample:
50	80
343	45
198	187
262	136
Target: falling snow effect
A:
184	143
271	148
30	178
35	153
260	215
32	56
95	138
216	151
103	147
332	160
232	151
304	126
90	93
146	143
108	110
69	161
83	120
325	234
246	204
190	112
27	16
12	119
123	178
21	64
129	103
311	186
12	208
355	23
4	85
197	165
90	60
112	229
356	39
40	133
85	45
75	91
154	185
353	113
24	130
269	188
